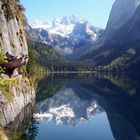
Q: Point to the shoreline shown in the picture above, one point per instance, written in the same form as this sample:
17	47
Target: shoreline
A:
69	72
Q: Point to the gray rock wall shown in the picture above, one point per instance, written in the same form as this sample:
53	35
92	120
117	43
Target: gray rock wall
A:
23	95
13	41
12	38
121	12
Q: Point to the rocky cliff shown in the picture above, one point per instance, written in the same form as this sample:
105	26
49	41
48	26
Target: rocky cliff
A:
120	51
121	12
18	94
128	32
15	90
12	38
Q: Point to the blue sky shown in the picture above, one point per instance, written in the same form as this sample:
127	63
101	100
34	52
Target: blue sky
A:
95	11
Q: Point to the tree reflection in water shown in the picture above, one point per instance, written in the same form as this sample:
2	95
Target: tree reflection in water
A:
75	98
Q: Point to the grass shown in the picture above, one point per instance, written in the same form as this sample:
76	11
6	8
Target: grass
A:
6	85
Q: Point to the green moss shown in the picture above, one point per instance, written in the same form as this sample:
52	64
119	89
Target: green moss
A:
26	83
6	85
3	58
26	80
1	70
22	70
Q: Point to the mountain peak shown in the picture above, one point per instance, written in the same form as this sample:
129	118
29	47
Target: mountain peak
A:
66	20
68	34
57	21
41	24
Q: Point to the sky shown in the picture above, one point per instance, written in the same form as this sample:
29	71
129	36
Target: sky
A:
95	11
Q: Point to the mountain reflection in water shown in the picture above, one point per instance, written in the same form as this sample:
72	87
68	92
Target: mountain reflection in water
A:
78	99
71	106
86	107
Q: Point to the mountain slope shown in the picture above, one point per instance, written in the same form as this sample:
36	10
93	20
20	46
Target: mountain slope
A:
15	92
70	36
121	12
130	31
45	56
42	56
124	54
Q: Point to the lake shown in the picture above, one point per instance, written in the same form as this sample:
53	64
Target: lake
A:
81	107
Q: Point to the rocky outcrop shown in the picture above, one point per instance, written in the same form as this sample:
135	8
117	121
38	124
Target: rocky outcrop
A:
12	63
121	12
15	92
21	95
12	38
128	32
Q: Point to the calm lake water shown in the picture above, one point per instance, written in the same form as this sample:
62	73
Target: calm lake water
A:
84	107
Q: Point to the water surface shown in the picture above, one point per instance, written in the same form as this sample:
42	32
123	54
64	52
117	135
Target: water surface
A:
86	107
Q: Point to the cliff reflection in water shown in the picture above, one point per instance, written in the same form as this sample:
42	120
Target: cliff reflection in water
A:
73	103
76	99
16	129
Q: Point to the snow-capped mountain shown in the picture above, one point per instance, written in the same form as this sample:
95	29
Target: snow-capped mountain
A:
66	107
69	35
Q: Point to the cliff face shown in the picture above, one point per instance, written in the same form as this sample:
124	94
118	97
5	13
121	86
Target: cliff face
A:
12	35
12	38
15	92
129	32
121	50
121	12
20	94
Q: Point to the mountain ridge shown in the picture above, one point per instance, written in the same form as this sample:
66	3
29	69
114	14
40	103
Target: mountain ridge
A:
121	12
120	51
68	35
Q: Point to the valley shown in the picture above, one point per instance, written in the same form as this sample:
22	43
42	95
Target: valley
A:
66	78
85	47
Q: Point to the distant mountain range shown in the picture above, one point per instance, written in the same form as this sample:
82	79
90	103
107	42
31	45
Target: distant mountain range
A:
114	49
70	36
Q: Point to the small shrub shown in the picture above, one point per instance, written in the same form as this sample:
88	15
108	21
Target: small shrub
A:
6	85
2	70
3	58
22	70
